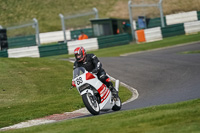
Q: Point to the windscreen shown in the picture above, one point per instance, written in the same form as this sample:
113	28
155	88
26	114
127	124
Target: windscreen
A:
78	71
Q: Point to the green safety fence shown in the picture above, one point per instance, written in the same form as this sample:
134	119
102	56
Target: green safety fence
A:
51	50
4	53
198	15
76	33
155	22
22	41
173	30
113	40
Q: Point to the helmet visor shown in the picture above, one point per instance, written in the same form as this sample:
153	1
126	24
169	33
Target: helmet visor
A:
78	56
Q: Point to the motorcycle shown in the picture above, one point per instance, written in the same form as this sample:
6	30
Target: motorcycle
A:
95	95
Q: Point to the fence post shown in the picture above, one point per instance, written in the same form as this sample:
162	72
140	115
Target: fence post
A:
96	12
161	13
63	26
131	20
37	31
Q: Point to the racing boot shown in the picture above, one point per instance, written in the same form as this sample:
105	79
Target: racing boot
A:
114	91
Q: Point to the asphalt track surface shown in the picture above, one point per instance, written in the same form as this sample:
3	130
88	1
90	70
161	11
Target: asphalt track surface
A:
160	76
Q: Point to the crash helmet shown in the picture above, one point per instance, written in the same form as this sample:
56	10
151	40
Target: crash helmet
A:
80	54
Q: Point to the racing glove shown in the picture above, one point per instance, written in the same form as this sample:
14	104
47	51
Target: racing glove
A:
73	84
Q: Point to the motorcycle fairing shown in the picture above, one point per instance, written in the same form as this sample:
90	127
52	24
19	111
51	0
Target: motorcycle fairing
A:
99	86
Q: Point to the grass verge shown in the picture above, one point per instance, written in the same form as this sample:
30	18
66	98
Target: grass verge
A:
192	52
180	118
35	87
129	48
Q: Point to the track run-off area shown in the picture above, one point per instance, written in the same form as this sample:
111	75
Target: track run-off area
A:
159	76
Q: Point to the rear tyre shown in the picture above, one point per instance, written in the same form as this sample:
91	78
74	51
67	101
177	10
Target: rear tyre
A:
117	105
91	103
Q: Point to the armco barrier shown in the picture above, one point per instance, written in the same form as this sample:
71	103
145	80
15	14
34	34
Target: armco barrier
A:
76	33
4	53
51	50
198	15
192	27
153	34
113	40
31	51
88	44
155	22
181	17
22	41
173	30
55	36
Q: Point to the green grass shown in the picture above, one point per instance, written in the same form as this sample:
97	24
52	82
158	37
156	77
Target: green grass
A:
179	118
47	11
35	87
192	52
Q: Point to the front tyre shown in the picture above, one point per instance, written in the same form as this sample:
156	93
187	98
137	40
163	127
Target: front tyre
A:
91	103
117	105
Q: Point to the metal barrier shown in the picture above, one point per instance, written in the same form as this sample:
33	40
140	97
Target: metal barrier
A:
31	51
192	27
88	44
33	23
4	53
130	6
153	34
173	30
51	50
181	17
113	40
55	36
63	18
22	41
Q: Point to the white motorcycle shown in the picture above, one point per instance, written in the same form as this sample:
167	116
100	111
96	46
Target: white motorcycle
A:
95	95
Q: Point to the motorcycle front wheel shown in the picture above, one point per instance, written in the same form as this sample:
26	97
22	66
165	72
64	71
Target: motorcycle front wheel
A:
91	103
117	105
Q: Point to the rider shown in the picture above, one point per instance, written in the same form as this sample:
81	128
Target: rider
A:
91	63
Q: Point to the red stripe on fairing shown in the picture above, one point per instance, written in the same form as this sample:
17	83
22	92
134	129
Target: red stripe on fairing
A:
101	88
106	97
105	91
104	94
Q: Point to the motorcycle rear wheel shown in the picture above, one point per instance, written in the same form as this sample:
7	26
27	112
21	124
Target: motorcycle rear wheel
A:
91	104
